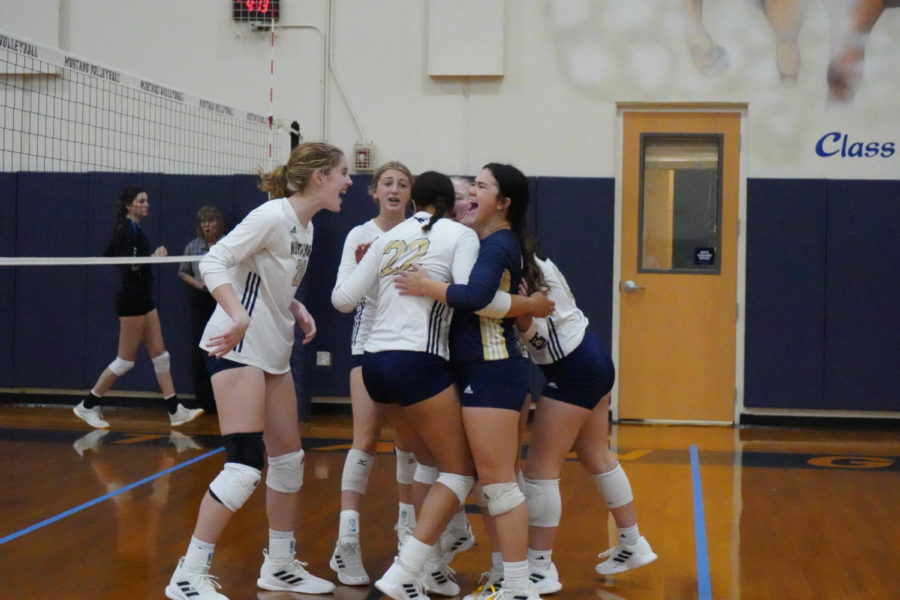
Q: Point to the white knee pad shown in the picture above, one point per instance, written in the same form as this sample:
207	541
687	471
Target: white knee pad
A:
460	485
425	474
357	467
544	502
120	366
614	487
161	363
478	493
234	484
286	472
406	467
502	497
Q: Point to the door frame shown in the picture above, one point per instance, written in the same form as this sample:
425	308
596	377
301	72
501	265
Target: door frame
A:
740	108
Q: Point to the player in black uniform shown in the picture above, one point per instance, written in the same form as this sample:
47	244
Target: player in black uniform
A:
138	318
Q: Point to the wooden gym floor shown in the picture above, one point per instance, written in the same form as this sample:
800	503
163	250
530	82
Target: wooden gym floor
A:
734	513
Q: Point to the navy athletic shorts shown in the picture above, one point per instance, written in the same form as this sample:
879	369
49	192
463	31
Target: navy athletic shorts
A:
582	377
405	377
493	383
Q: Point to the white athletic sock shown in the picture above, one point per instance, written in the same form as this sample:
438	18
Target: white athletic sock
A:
199	555
497	562
629	535
459	521
281	544
348	532
540	559
414	554
515	575
406	515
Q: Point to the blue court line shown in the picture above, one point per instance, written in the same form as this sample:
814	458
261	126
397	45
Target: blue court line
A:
90	503
704	588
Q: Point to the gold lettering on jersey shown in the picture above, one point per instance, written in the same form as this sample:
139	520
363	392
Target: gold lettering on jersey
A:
302	252
405	254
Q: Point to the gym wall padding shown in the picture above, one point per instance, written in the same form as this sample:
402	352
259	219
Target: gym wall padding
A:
7	277
821	304
862	300
785	304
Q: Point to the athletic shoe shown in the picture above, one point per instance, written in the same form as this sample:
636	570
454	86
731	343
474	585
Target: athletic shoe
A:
91	416
440	579
545	579
184	415
454	542
289	575
89	441
399	584
346	561
193	585
529	593
490	583
626	556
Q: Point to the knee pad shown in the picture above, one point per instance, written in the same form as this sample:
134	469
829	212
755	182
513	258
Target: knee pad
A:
285	472
614	487
460	485
480	500
502	497
425	474
120	366
245	448
234	484
406	467
357	466
161	363
544	502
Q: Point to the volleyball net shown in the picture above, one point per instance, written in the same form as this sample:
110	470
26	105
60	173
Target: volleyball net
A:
73	134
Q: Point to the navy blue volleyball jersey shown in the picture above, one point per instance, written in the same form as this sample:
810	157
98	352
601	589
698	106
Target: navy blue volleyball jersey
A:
476	338
129	240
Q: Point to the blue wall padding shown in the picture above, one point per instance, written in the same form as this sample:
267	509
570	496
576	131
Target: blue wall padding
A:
787	228
575	220
7	278
862	302
51	220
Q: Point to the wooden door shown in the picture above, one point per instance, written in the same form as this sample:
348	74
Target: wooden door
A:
678	284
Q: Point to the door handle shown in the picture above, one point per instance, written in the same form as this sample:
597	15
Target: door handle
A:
630	286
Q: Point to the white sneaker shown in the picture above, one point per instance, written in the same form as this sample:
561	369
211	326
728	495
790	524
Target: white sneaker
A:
626	556
399	584
529	593
346	561
184	415
454	542
89	441
545	579
440	579
193	585
91	416
289	575
490	583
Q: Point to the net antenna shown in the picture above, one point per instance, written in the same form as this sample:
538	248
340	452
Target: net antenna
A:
61	112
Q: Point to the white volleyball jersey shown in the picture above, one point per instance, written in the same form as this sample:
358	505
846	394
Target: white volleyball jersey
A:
549	340
365	310
412	323
264	258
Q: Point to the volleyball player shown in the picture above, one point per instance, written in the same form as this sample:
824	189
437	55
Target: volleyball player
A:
406	362
490	368
390	188
253	273
138	318
573	411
